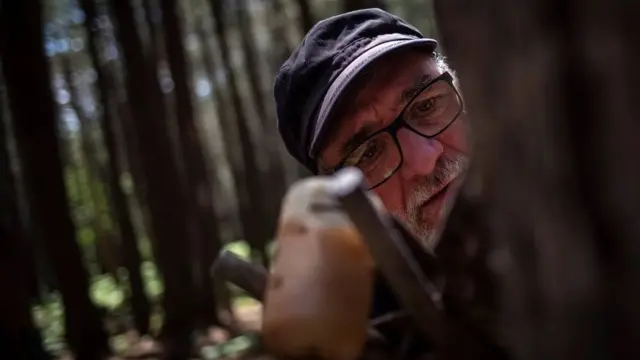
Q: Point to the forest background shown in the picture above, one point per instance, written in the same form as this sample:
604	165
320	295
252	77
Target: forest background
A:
138	138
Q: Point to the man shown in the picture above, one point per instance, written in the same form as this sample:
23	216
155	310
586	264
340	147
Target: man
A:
366	89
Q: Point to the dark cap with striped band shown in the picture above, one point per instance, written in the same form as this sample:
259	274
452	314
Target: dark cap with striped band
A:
333	53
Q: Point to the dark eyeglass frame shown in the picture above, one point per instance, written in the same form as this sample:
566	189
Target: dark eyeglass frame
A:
400	123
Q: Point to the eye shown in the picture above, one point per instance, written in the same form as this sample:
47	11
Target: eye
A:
424	107
366	154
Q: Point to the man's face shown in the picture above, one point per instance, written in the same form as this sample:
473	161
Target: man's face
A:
419	192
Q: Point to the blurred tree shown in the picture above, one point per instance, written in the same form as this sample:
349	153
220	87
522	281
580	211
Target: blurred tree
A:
107	253
36	138
350	5
281	50
124	131
306	15
218	97
19	339
278	29
418	13
152	15
207	240
274	176
555	173
249	190
133	175
165	194
130	252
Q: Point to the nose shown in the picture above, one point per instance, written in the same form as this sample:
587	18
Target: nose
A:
420	154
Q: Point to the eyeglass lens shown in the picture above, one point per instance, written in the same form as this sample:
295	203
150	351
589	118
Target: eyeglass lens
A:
431	111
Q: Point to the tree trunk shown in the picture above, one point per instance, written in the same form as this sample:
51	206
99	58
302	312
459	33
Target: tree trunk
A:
351	5
207	242
130	252
125	132
278	26
35	125
306	15
165	193
152	18
274	178
306	23
42	279
218	98
555	176
250	194
19	339
107	253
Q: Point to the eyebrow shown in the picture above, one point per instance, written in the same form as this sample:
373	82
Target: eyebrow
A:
418	84
354	141
405	96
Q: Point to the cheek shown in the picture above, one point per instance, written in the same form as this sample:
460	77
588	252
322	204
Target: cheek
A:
392	195
456	137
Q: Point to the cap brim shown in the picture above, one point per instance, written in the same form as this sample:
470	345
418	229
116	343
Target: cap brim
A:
351	72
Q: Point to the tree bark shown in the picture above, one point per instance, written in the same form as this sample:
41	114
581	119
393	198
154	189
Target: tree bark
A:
278	27
165	193
152	18
207	242
19	338
306	15
351	5
274	178
250	194
35	128
555	176
107	252
218	98
130	252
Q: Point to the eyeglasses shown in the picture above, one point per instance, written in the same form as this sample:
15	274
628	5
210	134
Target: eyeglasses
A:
430	112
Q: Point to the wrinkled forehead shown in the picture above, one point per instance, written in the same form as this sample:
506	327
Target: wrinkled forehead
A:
375	98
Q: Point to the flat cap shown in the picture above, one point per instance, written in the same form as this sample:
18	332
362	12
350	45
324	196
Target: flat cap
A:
310	83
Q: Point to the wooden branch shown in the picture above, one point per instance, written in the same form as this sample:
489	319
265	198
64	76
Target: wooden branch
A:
243	274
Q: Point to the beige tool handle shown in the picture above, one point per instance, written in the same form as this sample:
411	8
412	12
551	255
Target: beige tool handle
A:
318	295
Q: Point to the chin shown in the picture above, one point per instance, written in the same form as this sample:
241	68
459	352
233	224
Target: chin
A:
427	229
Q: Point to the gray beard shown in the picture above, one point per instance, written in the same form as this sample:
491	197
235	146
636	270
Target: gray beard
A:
428	232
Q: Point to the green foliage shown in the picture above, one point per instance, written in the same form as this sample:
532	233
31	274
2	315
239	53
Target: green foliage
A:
119	343
106	293
240	248
146	249
231	348
86	236
153	284
49	318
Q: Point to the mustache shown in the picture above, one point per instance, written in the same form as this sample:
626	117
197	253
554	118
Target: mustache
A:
446	169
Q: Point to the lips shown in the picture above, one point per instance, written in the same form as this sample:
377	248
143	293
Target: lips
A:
438	196
435	202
